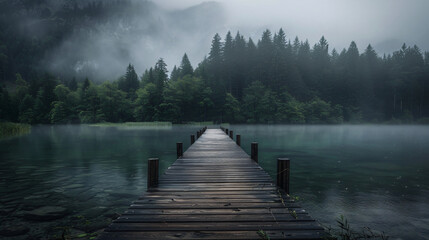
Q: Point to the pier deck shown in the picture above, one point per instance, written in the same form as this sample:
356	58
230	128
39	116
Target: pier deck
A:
215	191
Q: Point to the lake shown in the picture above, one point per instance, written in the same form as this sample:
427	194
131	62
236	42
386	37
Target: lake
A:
74	179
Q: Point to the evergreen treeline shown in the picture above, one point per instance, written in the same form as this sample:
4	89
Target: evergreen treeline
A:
273	80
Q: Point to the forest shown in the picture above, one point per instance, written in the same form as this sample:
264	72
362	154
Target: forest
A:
272	80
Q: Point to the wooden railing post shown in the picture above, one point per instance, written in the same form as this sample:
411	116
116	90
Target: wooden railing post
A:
283	174
198	134
192	139
226	131
179	148
238	140
231	134
152	173
254	151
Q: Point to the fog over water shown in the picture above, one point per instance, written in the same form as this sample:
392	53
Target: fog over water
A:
374	175
168	29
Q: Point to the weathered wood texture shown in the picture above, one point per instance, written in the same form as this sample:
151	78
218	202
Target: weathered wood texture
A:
215	191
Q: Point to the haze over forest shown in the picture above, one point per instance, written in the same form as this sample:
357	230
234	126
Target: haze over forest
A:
98	45
246	61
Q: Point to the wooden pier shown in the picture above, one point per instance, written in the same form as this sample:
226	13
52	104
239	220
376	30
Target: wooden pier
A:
214	190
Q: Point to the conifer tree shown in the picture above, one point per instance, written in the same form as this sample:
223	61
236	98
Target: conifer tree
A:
175	74
185	67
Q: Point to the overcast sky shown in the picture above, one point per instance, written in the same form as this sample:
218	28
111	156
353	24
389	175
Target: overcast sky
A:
386	24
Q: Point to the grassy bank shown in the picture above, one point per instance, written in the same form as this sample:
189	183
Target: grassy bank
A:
131	124
8	129
197	123
147	124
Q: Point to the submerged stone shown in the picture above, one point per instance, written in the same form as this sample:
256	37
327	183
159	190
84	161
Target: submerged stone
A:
46	213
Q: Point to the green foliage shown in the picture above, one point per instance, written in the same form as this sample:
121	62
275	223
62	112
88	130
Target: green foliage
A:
319	111
252	102
345	232
185	67
272	81
292	111
146	108
114	104
231	109
187	99
90	106
263	234
129	83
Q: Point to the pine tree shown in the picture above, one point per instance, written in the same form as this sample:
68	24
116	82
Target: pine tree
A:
265	54
215	62
238	66
175	74
215	55
185	67
296	46
161	78
129	83
228	62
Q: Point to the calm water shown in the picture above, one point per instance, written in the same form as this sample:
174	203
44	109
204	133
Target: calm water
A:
376	176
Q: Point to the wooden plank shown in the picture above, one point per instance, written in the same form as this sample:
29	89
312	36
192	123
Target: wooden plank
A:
215	226
233	195
214	205
213	218
224	235
224	211
215	191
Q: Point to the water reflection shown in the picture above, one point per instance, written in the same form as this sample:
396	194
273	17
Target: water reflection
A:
91	173
374	175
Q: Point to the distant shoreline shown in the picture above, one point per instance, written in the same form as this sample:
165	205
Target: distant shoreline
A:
10	129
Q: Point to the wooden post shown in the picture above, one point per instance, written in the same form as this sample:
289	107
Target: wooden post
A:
192	139
231	134
179	148
254	151
198	134
283	174
226	131
238	140
152	172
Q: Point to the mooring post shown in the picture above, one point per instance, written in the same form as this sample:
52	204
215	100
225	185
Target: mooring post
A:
198	134
231	134
153	172
226	131
254	151
192	139
283	174
238	140
179	148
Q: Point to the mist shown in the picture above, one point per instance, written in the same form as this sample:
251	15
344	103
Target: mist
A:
140	36
167	29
